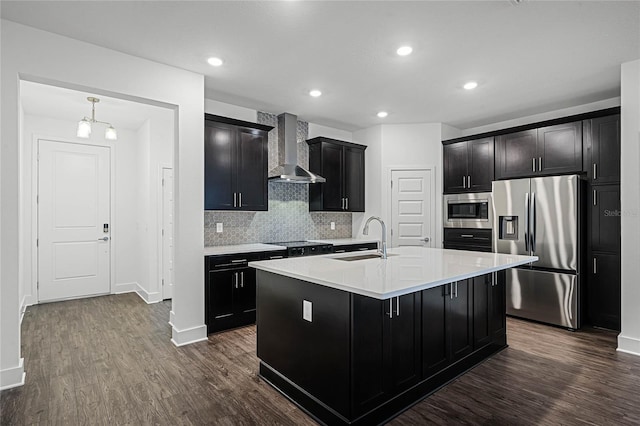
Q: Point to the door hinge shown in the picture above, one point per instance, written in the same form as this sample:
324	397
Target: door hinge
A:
37	199
38	285
163	232
391	231
37	242
162	181
163	281
392	184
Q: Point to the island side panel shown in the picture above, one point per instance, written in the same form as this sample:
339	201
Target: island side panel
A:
313	355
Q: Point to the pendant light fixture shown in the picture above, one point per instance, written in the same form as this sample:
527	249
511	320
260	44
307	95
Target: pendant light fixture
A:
84	125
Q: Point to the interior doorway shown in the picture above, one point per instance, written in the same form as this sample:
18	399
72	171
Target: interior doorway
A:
74	219
412	207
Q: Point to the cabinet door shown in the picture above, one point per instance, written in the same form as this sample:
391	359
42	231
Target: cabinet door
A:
434	325
221	293
560	148
332	166
354	179
403	343
219	141
460	327
605	218
482	293
515	154
498	308
245	294
604	290
480	165
455	167
368	356
604	138
251	169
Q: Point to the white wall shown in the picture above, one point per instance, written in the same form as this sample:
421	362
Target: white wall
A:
123	154
594	106
54	59
629	338
398	145
450	132
231	111
329	132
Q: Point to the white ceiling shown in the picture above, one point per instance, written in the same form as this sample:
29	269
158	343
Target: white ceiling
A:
528	58
66	104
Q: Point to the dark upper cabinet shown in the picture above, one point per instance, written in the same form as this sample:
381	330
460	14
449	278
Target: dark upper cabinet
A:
516	154
547	150
604	290
602	144
468	166
604	218
386	352
447	322
236	161
342	165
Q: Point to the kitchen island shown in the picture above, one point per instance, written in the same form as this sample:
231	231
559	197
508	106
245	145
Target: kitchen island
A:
356	339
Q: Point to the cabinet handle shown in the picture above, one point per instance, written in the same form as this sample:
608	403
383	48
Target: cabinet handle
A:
595	200
235	278
466	235
346	203
469	181
450	290
238	260
240	199
390	309
242	279
398	306
595	174
340	251
539	164
534	164
342	203
456	289
275	257
234	199
595	266
464	181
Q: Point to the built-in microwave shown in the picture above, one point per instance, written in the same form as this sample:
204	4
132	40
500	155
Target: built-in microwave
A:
468	210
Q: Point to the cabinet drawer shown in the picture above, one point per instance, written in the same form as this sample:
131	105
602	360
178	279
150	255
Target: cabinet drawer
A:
232	261
468	236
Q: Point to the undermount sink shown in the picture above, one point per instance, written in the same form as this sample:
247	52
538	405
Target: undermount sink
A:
362	257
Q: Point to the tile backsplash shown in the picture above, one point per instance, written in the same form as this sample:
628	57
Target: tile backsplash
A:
288	217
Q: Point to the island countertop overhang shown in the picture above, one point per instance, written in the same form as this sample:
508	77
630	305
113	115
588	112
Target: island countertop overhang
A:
407	270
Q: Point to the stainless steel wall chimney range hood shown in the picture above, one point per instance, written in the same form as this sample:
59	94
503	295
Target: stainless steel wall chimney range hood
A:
288	169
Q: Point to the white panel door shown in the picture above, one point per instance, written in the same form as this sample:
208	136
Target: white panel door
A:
167	233
411	208
73	210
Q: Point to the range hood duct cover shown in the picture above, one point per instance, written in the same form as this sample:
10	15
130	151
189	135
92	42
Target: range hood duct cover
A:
288	170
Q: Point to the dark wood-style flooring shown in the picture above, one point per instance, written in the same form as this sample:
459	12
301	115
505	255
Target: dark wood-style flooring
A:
109	360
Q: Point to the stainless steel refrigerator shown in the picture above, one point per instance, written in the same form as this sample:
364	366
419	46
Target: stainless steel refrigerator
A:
541	217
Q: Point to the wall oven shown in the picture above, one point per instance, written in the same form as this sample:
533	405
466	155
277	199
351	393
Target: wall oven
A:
468	211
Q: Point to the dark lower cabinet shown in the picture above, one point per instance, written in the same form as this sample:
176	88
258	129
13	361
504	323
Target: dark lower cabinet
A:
359	360
489	307
447	321
386	348
230	290
604	218
355	247
604	290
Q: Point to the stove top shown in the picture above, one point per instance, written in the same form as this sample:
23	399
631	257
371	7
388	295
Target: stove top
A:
297	244
305	248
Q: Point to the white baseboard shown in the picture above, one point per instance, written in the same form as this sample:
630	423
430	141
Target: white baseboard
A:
172	316
12	377
126	287
26	302
188	336
149	298
629	345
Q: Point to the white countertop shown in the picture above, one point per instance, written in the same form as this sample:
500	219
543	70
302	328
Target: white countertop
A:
241	248
411	269
345	241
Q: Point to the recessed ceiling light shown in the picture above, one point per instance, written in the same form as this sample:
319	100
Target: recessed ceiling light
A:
470	85
404	50
315	93
383	114
216	62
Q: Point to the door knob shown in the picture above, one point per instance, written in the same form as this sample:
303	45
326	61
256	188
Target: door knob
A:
103	239
426	239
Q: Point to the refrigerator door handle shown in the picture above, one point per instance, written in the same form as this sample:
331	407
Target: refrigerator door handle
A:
526	222
533	222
